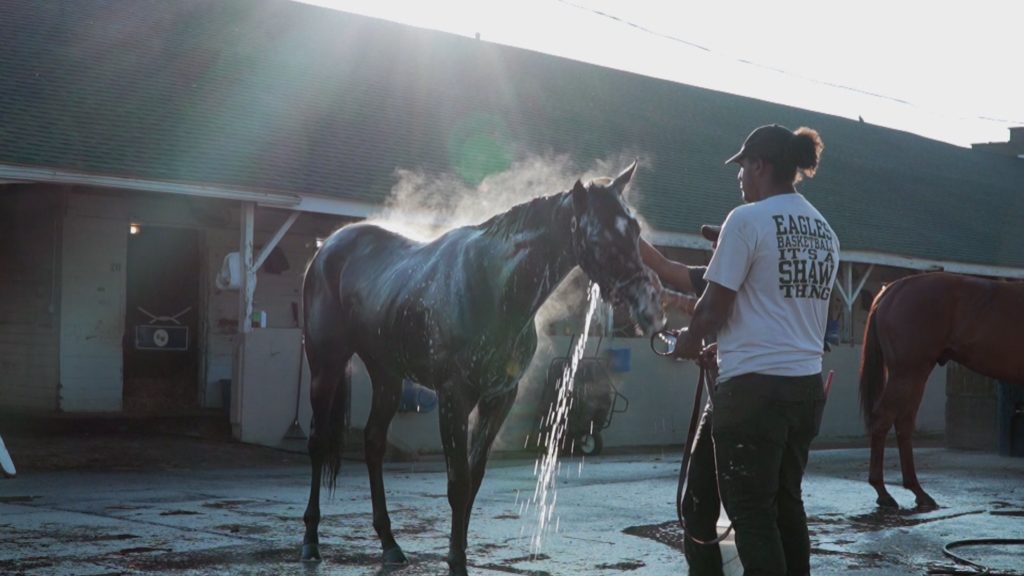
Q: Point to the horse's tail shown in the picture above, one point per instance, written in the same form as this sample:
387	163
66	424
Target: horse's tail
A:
872	366
329	393
334	431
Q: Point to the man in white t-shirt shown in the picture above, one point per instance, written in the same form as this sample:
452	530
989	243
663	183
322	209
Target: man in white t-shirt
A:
769	285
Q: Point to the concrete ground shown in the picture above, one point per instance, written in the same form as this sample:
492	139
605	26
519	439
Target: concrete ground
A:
117	503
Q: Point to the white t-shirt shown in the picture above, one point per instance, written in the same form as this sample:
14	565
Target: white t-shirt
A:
781	257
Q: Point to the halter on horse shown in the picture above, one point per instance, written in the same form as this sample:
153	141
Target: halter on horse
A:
915	323
456	315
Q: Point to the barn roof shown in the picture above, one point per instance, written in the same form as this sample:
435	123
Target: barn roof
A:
282	96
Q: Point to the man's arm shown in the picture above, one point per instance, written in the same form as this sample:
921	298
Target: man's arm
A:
678	301
709	316
671	272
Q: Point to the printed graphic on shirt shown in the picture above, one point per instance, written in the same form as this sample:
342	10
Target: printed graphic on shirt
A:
806	256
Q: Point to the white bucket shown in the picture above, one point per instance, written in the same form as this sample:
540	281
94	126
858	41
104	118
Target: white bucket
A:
6	464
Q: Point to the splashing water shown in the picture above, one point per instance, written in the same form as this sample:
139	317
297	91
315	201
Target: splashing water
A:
547	467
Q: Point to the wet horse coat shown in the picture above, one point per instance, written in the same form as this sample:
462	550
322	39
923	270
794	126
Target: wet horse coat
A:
918	322
456	315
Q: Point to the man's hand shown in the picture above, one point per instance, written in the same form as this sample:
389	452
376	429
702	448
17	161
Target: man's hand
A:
676	300
687	347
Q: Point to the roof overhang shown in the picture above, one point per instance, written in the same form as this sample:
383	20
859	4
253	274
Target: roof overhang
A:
300	202
859	256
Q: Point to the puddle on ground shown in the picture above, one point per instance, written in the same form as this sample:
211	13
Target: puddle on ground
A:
882	519
16	499
668	533
222	504
245	529
179	513
622	566
1019	513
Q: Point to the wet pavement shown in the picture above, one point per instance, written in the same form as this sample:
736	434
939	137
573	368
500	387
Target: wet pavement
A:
239	512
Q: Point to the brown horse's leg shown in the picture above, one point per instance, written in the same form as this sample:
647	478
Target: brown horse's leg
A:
876	473
386	390
904	439
491	415
454	417
327	388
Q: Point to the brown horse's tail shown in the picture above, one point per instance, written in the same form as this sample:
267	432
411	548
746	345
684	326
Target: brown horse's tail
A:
872	367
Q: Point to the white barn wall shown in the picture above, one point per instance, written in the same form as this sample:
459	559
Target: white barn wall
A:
29	298
92	314
28	359
660	394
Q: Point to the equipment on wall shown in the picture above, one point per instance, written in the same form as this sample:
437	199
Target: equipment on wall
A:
595	401
230	275
162	333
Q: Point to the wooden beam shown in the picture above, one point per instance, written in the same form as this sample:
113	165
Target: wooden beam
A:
272	243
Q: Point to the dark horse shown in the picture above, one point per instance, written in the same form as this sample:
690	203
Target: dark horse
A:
456	315
918	322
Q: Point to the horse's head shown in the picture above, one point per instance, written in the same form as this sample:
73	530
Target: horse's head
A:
606	242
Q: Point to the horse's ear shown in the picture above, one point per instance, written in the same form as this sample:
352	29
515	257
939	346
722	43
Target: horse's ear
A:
619	185
579	198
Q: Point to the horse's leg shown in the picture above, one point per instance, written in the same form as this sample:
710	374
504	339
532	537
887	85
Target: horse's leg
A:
882	418
454	417
491	414
327	394
386	390
904	439
876	472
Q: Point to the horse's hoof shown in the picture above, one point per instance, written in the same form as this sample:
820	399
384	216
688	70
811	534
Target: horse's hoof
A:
394	557
887	502
311	553
926	503
457	567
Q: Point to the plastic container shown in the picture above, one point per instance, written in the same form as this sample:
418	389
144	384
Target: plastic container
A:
620	359
416	398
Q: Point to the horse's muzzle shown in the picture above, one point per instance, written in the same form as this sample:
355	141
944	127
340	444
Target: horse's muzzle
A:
642	295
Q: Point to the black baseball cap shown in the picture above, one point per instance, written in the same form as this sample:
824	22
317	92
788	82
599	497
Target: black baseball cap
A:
767	141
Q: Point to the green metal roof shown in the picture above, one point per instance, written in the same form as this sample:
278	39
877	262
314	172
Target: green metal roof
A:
277	95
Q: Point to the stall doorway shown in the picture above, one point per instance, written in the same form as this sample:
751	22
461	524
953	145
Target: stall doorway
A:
161	363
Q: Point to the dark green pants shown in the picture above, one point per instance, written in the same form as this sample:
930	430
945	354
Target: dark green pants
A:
763	427
701	505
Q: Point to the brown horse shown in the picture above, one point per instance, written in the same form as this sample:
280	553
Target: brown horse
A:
918	322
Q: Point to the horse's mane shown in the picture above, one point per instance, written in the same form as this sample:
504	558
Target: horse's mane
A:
521	216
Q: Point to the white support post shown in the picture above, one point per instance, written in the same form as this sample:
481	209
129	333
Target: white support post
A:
248	287
245	296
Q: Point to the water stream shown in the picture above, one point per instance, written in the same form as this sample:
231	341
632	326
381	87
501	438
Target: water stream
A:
547	467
